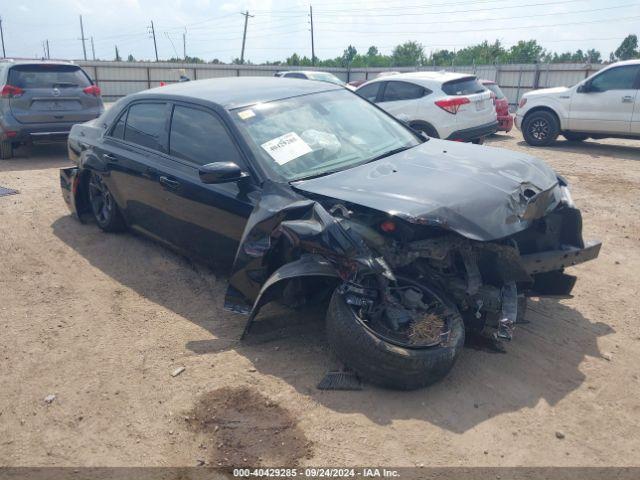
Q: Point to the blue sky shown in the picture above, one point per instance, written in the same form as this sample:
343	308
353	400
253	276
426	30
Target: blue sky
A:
281	27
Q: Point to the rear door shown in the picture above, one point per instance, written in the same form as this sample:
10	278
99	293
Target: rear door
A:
52	93
135	152
399	98
479	110
608	104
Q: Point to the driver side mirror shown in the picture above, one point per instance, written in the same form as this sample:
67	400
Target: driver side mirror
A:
221	172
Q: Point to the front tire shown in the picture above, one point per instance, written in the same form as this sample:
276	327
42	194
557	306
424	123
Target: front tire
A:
6	150
426	129
385	364
540	128
103	205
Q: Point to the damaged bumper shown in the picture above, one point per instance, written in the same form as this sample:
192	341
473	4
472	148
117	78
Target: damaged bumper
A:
569	256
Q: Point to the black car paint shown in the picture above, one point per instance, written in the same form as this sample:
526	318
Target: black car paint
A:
476	192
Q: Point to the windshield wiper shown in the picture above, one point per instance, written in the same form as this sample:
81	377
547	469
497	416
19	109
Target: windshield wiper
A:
390	152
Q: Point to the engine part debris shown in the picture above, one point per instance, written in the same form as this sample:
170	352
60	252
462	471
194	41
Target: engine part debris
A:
340	380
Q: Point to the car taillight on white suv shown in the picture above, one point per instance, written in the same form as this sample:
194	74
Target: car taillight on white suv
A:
523	102
452	105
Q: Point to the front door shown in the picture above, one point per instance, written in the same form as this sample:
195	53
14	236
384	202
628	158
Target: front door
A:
207	220
607	102
399	99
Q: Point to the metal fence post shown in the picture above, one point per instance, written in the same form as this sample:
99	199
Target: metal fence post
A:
148	77
519	84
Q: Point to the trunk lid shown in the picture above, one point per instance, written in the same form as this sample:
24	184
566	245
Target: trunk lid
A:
479	110
52	93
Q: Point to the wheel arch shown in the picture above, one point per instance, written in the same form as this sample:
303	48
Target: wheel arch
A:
422	123
544	108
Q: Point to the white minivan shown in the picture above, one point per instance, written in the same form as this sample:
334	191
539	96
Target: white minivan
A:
606	104
452	106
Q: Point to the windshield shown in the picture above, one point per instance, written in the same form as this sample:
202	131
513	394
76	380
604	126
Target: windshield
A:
324	77
495	89
312	135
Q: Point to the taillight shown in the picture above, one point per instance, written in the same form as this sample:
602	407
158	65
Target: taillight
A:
452	105
9	91
388	226
523	102
92	90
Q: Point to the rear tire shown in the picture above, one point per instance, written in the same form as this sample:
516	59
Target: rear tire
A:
426	129
575	137
540	128
6	150
385	364
103	205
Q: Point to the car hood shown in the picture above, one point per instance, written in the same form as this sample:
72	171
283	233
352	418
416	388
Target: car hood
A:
547	92
482	193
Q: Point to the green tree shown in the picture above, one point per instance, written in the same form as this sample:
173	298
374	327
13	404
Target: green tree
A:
130	58
528	51
348	56
593	56
293	60
628	48
484	53
442	57
409	54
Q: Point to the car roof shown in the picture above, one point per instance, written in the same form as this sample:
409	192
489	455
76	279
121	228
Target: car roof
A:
11	61
306	72
235	92
427	77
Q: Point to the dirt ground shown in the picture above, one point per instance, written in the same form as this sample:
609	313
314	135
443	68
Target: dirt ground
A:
101	321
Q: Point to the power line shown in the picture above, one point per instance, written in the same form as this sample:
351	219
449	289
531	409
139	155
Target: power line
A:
4	53
493	29
505	18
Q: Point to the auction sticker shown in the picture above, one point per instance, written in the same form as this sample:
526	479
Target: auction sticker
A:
286	147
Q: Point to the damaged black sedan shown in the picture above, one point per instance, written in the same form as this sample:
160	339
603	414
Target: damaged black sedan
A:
308	193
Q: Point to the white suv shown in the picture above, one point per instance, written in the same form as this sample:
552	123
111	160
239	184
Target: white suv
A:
453	106
606	104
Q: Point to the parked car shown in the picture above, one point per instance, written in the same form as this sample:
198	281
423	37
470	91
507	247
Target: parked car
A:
452	106
604	105
505	120
42	100
357	83
310	194
314	75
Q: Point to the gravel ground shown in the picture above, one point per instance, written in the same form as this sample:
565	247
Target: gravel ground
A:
102	321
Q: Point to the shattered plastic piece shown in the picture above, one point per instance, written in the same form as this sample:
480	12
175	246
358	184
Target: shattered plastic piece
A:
178	371
49	399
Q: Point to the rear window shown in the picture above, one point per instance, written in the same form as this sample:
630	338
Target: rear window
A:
47	76
463	86
496	90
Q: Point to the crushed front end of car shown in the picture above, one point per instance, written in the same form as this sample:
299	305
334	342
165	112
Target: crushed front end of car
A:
409	267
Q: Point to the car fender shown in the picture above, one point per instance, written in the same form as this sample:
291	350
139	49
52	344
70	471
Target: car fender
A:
555	105
306	267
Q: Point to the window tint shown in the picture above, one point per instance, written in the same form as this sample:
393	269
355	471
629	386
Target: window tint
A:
200	137
145	125
296	75
463	86
402	91
370	92
47	76
118	130
621	78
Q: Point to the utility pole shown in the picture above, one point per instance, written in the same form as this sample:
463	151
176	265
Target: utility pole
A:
244	34
117	55
44	50
93	49
153	34
313	50
84	48
48	53
4	54
184	44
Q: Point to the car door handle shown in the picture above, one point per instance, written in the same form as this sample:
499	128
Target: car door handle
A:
169	183
627	99
110	157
